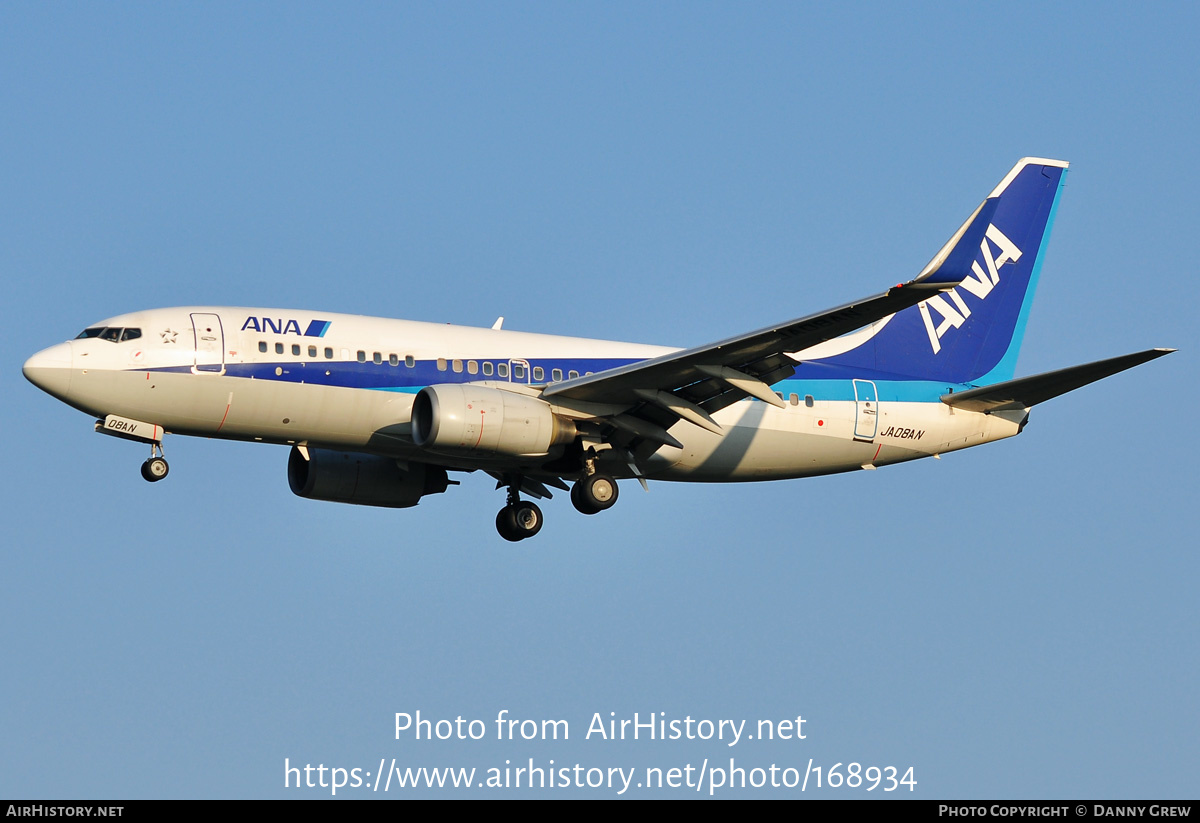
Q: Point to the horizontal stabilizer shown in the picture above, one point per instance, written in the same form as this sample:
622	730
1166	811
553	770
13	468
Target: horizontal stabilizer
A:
1029	391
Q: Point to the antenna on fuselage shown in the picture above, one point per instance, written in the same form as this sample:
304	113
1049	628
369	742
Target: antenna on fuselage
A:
499	322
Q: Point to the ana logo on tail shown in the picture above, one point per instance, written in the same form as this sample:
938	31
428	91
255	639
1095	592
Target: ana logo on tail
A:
981	286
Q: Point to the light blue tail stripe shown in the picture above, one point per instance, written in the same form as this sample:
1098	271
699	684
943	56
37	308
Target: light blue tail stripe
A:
1006	369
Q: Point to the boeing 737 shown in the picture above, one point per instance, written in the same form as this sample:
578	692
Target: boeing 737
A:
379	412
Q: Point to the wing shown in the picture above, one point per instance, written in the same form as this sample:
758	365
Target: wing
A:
693	384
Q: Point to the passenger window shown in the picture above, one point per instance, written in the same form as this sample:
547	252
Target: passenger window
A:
393	360
296	349
539	374
378	358
472	367
312	351
487	369
410	361
518	371
279	348
262	345
502	370
131	334
808	400
556	375
328	353
441	364
572	374
457	366
362	356
794	399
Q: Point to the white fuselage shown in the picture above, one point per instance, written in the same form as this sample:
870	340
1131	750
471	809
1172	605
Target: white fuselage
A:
254	374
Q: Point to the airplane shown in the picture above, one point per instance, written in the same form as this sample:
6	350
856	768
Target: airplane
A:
378	412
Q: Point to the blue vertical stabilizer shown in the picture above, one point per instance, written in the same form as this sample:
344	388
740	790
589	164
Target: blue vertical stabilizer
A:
972	333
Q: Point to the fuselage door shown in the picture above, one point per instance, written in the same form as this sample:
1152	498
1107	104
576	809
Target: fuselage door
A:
519	371
866	410
210	344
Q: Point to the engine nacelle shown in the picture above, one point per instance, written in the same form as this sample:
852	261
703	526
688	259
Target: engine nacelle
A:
462	417
362	479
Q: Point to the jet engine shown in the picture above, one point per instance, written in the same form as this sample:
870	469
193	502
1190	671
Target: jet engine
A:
362	479
462	417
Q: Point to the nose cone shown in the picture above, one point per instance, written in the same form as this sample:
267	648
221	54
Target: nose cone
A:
50	370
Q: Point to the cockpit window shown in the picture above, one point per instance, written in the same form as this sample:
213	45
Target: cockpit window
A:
113	334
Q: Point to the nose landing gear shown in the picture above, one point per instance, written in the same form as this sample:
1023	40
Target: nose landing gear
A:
155	468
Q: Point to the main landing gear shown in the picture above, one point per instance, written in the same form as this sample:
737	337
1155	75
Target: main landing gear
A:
520	518
594	493
155	468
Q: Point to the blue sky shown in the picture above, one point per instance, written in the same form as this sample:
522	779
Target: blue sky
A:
1013	621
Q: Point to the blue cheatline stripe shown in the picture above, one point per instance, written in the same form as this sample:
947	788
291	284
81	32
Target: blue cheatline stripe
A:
822	381
370	375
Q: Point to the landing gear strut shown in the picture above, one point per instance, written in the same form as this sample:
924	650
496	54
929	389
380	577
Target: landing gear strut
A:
520	518
155	468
